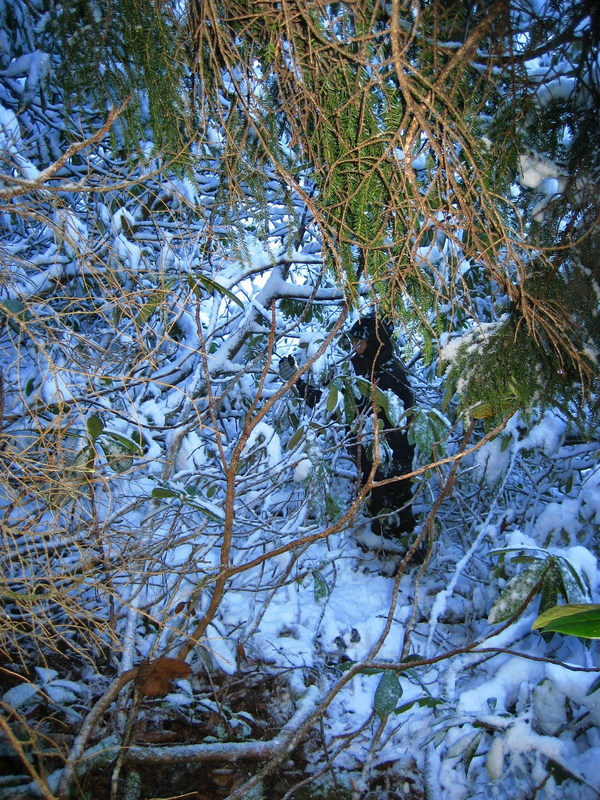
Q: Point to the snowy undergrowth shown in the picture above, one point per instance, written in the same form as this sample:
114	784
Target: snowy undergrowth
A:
509	713
166	495
194	507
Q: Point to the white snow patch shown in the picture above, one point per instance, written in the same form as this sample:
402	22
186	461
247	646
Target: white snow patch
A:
302	470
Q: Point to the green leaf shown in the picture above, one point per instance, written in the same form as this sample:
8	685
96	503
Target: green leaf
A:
562	611
421	702
158	492
95	426
514	594
334	507
321	589
118	456
387	694
449	393
295	438
576	619
428	428
364	387
15	309
381	401
126	444
212	286
152	303
332	399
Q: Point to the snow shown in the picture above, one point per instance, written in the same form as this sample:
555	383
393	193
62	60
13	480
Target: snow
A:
535	169
499	692
264	436
308	592
557	517
20	695
10	143
302	470
550	707
494	761
575	686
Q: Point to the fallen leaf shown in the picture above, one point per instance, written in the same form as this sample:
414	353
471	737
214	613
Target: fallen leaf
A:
155	677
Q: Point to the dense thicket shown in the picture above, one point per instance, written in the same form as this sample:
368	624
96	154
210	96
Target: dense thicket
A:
188	193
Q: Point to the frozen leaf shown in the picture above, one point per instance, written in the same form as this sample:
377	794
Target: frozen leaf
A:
594	687
515	593
126	444
132	788
82	466
350	409
20	695
552	586
464	745
321	589
118	455
471	752
573	588
395	411
387	694
427	429
494	762
192	497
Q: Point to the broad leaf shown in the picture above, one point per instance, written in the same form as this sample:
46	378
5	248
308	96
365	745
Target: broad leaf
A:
577	619
152	303
321	589
332	398
515	593
212	286
95	426
387	694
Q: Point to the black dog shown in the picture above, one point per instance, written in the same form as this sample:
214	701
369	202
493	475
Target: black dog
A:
373	357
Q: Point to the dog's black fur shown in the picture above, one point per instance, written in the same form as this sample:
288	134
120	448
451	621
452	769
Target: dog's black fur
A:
389	505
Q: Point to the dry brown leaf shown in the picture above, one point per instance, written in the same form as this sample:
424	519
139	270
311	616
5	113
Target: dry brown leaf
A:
155	677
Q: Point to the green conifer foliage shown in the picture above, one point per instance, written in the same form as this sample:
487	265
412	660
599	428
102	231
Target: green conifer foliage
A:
402	130
112	51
